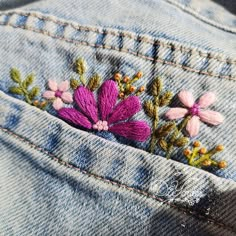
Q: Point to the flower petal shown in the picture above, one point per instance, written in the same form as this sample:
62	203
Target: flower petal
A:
134	130
63	86
75	117
125	109
186	98
176	113
107	98
206	100
86	102
67	97
52	84
193	126
57	104
49	94
211	117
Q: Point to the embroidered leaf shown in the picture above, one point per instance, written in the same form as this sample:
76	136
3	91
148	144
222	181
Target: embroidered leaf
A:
33	92
28	81
80	69
181	142
165	99
94	82
164	130
80	66
156	87
149	108
163	144
15	75
74	83
16	90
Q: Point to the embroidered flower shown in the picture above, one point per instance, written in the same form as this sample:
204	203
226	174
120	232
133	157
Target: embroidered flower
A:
194	109
113	118
59	93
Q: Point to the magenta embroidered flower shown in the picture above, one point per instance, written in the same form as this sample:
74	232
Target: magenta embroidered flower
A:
195	110
58	93
106	115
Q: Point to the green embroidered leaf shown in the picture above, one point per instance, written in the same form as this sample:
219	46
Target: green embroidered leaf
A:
156	87
165	99
74	83
15	75
149	108
28	81
16	90
80	66
33	92
181	142
94	82
164	130
163	144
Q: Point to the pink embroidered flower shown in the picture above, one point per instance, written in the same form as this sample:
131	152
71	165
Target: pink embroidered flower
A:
106	115
194	109
58	93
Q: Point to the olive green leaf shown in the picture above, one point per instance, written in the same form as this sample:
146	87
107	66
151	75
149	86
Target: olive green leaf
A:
94	82
164	130
80	66
15	75
28	81
74	83
149	108
165	99
181	142
16	90
163	144
33	92
157	87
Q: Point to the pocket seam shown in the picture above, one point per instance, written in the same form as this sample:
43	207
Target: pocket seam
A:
120	185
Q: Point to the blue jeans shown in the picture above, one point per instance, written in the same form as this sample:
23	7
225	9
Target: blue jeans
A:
57	179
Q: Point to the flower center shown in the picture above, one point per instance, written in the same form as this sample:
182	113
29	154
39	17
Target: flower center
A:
58	93
101	125
194	110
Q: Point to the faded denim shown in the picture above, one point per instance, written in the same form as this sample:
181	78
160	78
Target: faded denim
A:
58	180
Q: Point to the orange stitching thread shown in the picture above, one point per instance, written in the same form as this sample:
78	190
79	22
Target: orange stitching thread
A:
124	34
121	50
120	185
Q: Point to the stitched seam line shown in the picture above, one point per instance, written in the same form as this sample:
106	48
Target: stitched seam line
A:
120	185
44	32
123	34
194	12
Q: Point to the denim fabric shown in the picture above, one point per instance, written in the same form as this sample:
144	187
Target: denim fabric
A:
59	180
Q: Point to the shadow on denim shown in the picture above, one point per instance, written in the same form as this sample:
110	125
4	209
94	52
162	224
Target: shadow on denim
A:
9	4
228	5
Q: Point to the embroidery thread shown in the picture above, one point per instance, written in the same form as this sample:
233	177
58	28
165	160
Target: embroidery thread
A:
200	157
195	111
126	85
151	108
58	93
111	115
106	115
22	88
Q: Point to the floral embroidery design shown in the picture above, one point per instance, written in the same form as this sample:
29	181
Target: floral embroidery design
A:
117	102
112	117
194	109
201	157
58	93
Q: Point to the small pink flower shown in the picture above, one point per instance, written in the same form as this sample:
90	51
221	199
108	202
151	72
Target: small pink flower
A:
195	110
106	114
58	93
